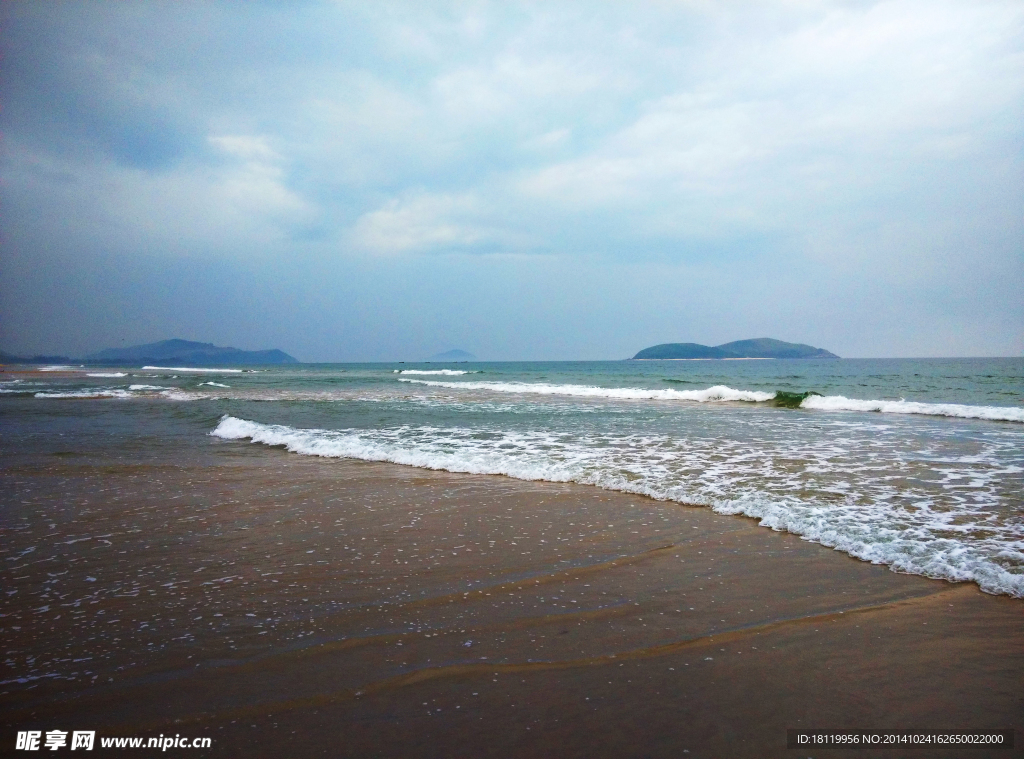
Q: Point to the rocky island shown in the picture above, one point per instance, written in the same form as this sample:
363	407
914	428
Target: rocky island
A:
761	347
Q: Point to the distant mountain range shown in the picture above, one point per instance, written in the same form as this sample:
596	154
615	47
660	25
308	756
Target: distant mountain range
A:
187	353
761	347
165	353
10	358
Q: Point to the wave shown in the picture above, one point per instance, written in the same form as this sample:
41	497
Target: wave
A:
840	403
194	369
106	374
214	384
954	545
87	394
58	368
173	394
446	372
711	394
808	400
133	391
26	388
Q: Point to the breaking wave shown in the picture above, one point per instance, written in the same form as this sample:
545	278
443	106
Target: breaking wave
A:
711	394
961	542
962	411
446	372
87	394
809	400
198	370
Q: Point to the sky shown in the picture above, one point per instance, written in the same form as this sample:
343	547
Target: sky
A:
357	181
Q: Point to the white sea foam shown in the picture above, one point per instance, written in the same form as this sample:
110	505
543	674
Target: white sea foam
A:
213	384
106	374
133	391
446	372
174	394
19	390
711	394
58	368
115	393
840	499
839	403
194	369
724	393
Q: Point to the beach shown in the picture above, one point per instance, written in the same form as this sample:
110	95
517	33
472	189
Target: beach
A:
296	606
512	380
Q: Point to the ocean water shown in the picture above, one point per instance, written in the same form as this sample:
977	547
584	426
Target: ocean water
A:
917	464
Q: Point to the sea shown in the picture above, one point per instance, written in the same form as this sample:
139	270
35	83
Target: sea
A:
916	464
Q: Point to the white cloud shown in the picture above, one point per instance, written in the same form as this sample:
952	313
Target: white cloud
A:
420	223
247	147
833	107
843	137
512	84
242	205
254	186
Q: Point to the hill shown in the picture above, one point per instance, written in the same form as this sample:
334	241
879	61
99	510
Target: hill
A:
10	358
683	350
766	347
761	347
187	353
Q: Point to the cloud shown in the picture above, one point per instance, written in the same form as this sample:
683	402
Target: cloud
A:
254	185
844	103
865	144
238	205
422	223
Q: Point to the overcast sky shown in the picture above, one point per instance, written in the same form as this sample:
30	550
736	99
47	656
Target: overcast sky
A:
580	180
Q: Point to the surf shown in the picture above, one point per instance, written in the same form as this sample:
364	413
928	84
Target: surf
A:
957	542
711	394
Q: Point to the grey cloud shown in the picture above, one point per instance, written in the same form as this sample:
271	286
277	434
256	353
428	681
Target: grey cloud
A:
551	164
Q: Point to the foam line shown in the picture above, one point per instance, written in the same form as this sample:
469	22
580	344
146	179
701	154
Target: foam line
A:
87	394
446	372
962	411
711	394
193	369
951	545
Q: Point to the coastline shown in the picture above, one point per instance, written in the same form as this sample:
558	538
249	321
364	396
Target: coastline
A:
532	619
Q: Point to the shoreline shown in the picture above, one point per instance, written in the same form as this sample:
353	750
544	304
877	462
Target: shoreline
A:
536	619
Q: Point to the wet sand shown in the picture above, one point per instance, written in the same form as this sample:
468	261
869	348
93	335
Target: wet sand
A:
288	606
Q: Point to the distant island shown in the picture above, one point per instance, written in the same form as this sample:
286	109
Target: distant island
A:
761	347
10	358
453	355
164	353
187	353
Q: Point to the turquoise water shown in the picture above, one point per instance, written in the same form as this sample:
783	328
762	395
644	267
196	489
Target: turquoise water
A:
916	464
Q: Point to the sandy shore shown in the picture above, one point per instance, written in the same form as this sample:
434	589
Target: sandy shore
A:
287	606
